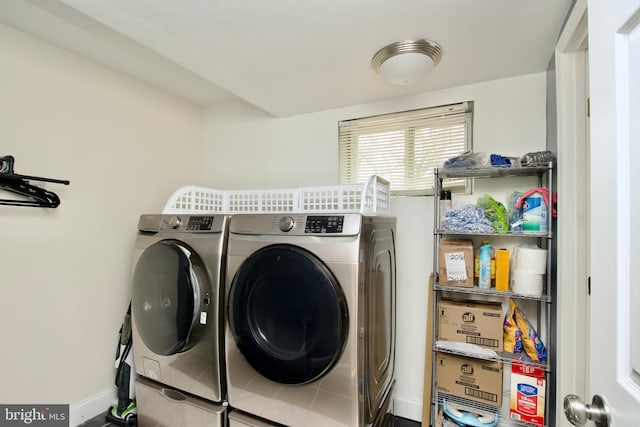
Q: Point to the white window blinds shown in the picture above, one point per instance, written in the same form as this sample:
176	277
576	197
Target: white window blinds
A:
403	148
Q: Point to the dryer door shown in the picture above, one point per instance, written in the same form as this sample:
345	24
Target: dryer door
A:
169	283
288	314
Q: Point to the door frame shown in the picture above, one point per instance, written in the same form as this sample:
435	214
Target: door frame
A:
572	224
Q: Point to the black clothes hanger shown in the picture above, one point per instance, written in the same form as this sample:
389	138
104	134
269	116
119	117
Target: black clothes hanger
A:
18	184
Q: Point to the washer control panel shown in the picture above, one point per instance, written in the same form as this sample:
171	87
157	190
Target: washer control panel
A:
324	224
200	223
181	223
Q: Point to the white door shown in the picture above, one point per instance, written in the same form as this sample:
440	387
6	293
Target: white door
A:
614	302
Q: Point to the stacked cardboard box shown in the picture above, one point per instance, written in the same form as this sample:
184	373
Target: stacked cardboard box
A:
455	265
474	379
471	323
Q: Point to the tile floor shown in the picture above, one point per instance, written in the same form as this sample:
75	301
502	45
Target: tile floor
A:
99	421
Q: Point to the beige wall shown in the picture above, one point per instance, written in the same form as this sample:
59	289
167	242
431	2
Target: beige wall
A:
246	148
64	272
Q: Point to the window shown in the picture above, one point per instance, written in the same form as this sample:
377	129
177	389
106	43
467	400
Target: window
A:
404	148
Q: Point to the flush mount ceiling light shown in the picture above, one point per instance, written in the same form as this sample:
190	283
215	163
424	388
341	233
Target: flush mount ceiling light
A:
406	61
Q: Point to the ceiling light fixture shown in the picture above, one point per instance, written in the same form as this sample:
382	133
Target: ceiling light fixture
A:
407	61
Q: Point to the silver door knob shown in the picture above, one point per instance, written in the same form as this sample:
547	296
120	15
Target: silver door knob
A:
578	413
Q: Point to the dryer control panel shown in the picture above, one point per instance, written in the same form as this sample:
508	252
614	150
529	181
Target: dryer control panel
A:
297	224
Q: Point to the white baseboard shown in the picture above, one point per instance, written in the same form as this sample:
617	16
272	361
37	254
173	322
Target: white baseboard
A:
88	408
406	407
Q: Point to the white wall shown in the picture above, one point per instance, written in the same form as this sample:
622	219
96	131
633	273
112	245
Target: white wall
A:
246	148
65	272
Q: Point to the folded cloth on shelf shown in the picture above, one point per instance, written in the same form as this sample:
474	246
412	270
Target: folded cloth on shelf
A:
500	161
467	349
468	159
469	218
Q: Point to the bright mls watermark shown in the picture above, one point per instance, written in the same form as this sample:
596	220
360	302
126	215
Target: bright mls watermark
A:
34	415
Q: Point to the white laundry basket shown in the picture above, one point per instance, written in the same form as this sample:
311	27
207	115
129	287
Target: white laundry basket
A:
195	200
267	201
369	198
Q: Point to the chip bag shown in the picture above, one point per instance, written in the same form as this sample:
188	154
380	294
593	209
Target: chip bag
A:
520	335
512	335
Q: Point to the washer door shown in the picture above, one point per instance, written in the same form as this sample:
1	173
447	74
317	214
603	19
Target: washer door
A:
288	314
168	283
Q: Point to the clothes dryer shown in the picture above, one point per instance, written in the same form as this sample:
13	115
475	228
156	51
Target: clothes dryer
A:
310	337
177	300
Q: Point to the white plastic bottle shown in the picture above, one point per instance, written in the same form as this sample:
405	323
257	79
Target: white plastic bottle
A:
484	260
476	264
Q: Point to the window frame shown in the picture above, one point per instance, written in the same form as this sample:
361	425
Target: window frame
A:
408	122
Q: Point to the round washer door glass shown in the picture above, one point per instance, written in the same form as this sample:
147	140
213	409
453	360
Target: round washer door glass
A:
166	294
288	314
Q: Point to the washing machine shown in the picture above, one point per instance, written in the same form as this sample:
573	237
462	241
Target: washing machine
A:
310	338
177	303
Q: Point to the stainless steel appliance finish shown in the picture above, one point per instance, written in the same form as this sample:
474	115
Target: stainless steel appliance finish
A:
161	406
177	298
310	337
239	419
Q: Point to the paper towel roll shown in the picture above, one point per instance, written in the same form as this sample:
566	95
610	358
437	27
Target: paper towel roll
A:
526	283
533	260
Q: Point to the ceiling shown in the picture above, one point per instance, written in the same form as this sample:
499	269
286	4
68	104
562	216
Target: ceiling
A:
290	57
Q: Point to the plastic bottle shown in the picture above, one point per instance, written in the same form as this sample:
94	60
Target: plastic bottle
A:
476	264
484	261
492	251
445	204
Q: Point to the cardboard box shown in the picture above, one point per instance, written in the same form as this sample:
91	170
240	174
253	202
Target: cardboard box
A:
455	265
473	379
471	323
528	391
